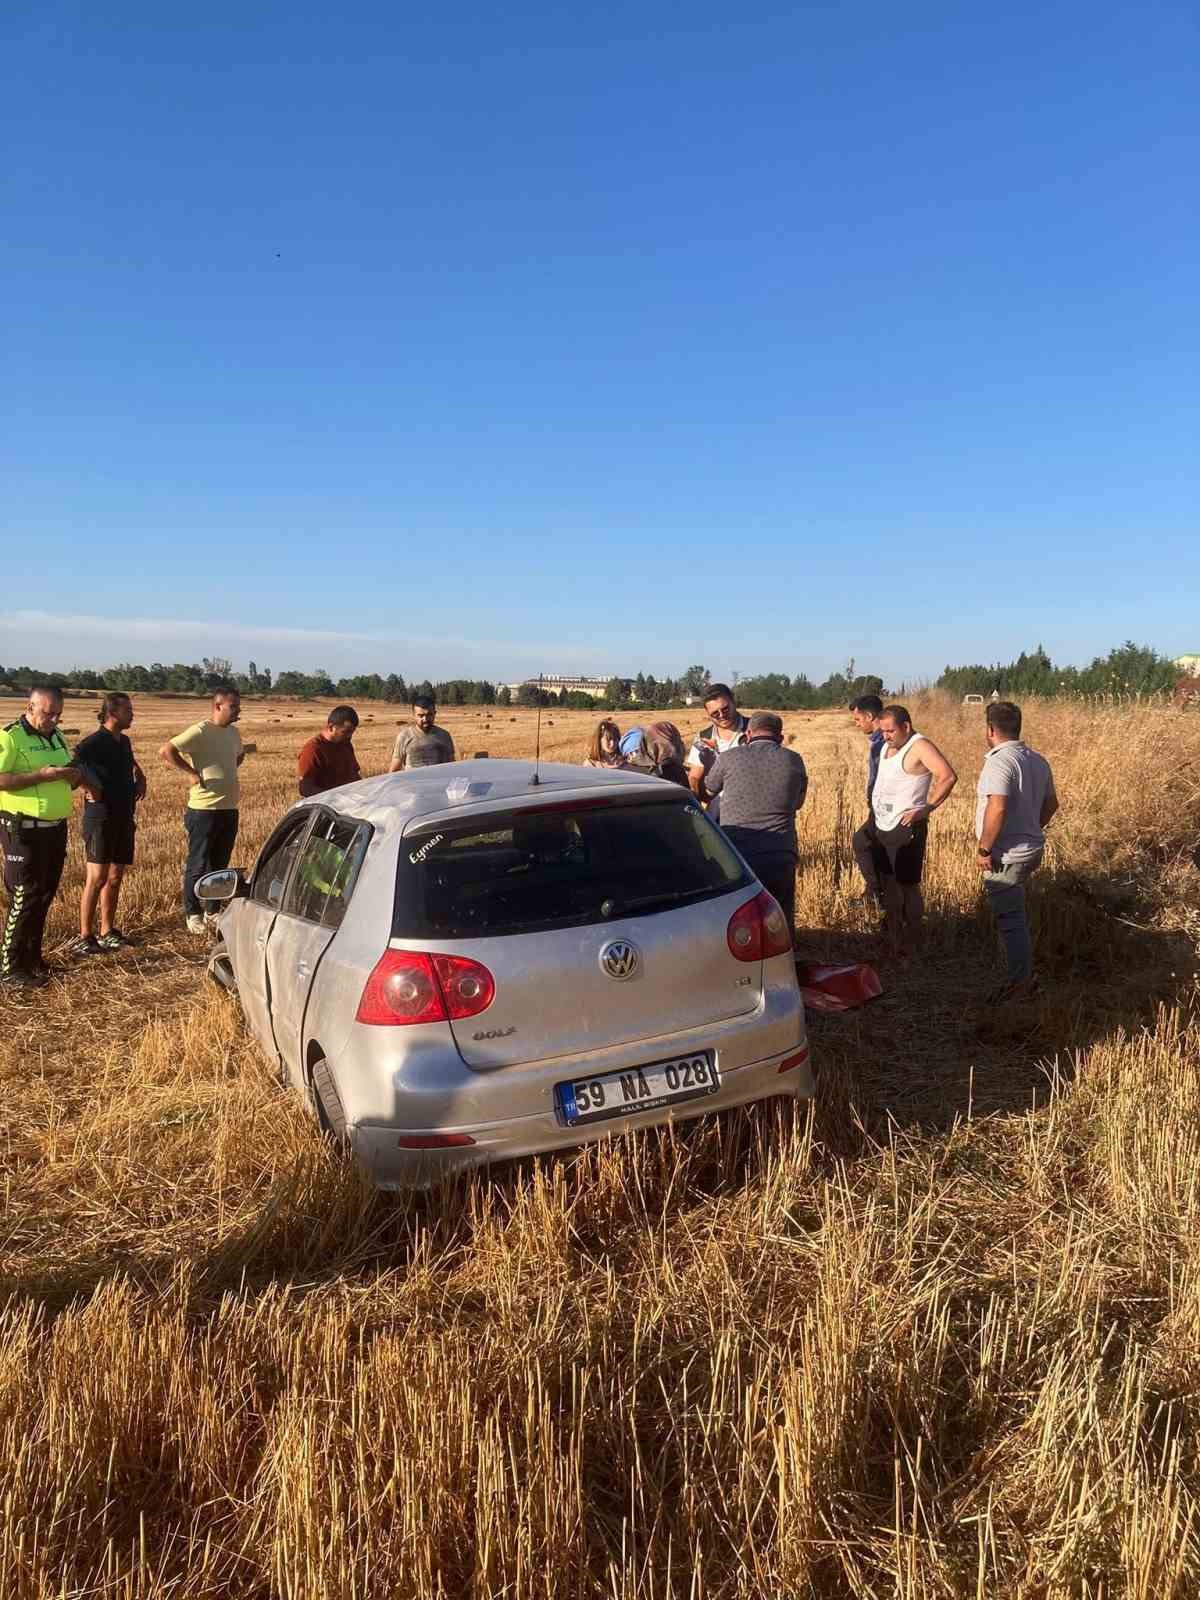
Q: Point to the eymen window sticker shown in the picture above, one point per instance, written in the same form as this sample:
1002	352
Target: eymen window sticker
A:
417	856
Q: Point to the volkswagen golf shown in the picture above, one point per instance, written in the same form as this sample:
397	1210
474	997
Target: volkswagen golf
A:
467	963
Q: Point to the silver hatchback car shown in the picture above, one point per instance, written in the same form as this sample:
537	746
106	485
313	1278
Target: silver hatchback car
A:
466	963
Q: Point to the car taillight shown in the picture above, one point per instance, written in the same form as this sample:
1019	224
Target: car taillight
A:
758	929
408	986
777	936
402	988
468	986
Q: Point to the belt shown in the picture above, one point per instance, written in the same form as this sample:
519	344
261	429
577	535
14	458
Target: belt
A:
14	820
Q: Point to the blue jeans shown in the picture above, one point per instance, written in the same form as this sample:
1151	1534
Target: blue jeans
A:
1005	890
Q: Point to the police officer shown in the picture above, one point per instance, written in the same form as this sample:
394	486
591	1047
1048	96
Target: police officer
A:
36	779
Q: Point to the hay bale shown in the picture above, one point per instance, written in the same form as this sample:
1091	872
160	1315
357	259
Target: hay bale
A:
480	755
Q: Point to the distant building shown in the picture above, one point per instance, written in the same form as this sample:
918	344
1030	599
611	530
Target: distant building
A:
559	683
1189	664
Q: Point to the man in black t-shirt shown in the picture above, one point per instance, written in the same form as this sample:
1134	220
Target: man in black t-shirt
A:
113	783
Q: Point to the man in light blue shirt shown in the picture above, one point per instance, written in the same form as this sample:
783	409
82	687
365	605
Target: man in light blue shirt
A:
1014	800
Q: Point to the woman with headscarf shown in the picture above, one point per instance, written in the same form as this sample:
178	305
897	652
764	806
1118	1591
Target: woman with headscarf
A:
660	753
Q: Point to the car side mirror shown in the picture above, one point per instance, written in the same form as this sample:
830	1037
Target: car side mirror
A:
227	884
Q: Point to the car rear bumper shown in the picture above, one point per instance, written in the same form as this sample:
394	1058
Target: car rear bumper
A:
379	1151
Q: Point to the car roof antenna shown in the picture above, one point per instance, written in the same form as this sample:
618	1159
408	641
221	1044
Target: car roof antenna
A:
537	749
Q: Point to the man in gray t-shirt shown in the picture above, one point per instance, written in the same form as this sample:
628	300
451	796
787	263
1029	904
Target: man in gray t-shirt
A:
1014	800
422	743
762	786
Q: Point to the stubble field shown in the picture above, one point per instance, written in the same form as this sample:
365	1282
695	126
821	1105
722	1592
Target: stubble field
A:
940	1338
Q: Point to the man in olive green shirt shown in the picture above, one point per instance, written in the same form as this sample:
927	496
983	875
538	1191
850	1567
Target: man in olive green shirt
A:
209	753
36	779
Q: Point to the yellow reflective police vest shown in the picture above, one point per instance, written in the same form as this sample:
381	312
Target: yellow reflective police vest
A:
23	749
323	871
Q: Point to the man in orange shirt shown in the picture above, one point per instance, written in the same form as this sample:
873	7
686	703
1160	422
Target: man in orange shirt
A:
328	760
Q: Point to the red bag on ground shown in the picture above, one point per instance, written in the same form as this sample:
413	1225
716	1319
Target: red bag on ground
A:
838	988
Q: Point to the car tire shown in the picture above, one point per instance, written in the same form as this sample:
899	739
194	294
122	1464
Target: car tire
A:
220	968
331	1114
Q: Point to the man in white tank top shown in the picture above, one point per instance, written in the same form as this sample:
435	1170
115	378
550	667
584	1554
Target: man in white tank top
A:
913	780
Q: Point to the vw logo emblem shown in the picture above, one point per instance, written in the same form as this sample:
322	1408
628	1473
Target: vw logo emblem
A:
620	959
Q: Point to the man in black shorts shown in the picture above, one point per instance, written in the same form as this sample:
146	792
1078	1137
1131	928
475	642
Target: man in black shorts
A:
113	783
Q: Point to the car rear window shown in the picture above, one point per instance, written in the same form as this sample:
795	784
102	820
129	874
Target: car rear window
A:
557	867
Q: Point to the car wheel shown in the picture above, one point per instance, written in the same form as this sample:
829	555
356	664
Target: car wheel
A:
331	1113
220	967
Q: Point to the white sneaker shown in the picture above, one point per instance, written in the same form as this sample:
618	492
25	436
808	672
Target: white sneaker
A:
195	924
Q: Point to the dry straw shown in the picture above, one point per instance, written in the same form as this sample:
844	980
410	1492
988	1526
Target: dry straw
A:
942	1339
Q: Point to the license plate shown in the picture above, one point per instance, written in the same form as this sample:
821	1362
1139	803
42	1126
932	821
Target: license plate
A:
619	1094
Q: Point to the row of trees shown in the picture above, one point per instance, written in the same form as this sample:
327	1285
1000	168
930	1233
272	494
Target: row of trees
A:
1130	669
179	678
645	692
213	672
394	688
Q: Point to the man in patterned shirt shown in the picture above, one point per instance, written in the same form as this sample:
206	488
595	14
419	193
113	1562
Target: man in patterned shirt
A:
762	786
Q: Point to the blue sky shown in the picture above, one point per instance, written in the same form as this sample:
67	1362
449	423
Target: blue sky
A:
477	340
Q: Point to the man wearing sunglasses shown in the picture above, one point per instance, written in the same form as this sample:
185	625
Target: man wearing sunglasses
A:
727	729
